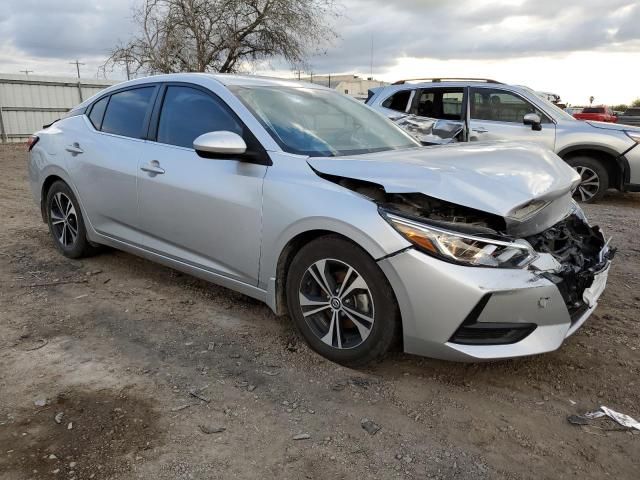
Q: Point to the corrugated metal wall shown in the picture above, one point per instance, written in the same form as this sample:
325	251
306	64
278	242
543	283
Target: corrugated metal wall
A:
28	103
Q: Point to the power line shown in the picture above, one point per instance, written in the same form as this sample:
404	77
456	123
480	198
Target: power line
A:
77	64
26	72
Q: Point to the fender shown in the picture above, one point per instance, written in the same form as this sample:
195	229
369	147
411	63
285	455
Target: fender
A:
621	160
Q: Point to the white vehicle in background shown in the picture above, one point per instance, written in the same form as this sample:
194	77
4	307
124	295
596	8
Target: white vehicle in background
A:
440	110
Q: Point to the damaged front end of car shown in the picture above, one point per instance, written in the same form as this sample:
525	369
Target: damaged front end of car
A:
570	252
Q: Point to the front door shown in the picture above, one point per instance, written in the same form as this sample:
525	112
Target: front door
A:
206	212
497	114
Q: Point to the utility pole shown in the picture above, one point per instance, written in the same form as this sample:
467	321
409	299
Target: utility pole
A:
77	64
371	70
26	72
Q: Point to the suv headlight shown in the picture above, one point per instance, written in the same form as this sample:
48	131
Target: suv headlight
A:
635	136
463	249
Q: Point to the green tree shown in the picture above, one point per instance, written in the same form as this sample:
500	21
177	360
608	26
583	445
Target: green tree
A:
636	103
620	108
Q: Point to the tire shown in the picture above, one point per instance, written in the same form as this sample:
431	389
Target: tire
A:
365	294
590	189
66	224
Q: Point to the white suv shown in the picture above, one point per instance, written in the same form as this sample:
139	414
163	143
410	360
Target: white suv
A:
443	110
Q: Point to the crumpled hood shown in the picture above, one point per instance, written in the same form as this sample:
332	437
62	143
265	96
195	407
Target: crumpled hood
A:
497	177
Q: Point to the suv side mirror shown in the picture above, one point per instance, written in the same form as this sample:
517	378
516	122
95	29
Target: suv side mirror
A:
221	143
534	120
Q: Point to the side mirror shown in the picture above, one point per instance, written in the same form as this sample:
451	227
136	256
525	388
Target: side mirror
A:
534	120
221	143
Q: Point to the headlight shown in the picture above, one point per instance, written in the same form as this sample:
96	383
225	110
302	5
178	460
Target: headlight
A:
635	136
460	248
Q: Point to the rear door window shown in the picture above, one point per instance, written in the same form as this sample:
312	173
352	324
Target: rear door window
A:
188	112
127	112
501	106
399	101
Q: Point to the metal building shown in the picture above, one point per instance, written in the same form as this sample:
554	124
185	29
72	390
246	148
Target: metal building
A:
29	102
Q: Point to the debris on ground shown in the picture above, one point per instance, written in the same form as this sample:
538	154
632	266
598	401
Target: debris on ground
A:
197	394
208	430
370	427
302	436
58	417
620	418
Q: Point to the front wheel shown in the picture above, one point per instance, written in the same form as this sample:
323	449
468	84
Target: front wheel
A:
341	302
594	179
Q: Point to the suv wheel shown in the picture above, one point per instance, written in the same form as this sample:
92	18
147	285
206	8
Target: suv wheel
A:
594	179
66	224
341	302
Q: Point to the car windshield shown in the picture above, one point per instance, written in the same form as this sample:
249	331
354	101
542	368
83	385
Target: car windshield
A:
555	110
321	123
593	110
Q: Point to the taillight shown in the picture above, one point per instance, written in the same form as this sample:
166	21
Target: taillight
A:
33	139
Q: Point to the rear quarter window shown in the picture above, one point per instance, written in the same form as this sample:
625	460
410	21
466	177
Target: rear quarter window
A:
97	112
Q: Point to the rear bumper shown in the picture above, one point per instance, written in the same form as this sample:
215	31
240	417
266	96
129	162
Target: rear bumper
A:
436	298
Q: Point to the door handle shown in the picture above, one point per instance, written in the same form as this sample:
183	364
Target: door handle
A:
74	149
153	168
480	130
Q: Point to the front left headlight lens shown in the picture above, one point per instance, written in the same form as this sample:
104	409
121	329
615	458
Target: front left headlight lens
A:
461	248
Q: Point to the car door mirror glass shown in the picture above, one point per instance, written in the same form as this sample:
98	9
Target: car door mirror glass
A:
534	120
219	143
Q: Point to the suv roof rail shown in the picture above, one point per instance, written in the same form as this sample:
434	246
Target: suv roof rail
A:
445	79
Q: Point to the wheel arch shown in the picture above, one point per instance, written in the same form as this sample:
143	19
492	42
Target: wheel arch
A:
288	253
615	163
46	185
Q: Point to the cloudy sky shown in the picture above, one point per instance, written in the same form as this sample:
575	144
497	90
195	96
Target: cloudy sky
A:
575	48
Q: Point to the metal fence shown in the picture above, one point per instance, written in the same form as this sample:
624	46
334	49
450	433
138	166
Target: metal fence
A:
29	102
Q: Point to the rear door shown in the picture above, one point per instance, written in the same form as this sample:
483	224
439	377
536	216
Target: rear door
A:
105	160
497	114
206	212
437	115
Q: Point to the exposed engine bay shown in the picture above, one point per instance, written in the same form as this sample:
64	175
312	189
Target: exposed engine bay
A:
578	248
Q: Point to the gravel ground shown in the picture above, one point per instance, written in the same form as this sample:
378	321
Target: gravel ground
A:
116	368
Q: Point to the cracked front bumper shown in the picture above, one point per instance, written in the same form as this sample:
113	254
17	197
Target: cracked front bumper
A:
436	298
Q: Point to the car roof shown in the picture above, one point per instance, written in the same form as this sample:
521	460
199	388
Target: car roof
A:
223	78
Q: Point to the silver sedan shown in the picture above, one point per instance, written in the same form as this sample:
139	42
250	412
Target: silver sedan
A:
323	209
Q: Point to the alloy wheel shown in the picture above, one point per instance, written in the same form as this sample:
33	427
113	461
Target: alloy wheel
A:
64	220
589	184
336	303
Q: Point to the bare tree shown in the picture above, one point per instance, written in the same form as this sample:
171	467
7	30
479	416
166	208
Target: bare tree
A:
223	35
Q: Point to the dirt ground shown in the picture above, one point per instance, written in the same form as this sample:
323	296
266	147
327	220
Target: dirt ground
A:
116	368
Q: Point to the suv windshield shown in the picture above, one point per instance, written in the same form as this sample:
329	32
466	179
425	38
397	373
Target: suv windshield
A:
321	123
551	107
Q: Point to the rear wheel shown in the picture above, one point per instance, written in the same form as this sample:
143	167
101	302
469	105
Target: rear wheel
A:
341	302
66	224
594	179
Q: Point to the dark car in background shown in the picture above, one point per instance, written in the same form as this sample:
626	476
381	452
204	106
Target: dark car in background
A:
630	117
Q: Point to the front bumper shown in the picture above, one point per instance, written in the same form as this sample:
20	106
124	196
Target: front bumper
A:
436	298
